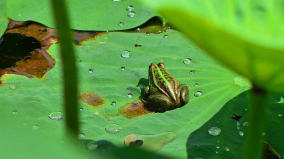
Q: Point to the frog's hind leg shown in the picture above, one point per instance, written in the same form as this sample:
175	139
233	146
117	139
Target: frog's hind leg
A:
158	103
183	94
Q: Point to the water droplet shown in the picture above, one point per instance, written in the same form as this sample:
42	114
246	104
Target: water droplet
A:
130	8
138	29
126	54
120	24
198	94
91	70
187	61
191	72
227	149
129	95
116	0
81	109
214	131
196	85
55	116
241	133
131	14
14	112
113	103
122	68
217	147
281	100
280	115
35	127
238	125
92	145
12	86
245	123
166	36
81	135
112	128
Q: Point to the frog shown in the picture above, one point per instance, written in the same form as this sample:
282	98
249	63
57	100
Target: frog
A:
164	92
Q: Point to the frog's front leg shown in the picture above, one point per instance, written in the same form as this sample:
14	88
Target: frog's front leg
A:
183	94
159	103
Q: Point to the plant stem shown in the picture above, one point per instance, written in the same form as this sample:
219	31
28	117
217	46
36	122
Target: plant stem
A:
257	123
69	68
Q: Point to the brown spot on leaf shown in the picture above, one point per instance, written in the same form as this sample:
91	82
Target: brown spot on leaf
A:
92	99
134	109
81	36
23	49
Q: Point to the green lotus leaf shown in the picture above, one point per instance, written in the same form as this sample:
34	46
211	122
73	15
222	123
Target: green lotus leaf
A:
223	136
247	36
113	70
3	17
99	15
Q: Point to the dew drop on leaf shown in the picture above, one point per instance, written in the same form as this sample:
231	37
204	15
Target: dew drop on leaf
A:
14	112
122	68
112	128
191	72
198	94
120	24
196	85
113	103
129	95
227	149
81	135
126	54
187	61
241	133
131	14
245	123
166	36
214	131
130	8
92	145
116	0
281	100
91	70
12	87
55	116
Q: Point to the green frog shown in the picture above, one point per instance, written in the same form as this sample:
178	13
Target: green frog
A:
164	91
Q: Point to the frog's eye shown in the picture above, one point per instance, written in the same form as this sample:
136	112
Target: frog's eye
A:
161	64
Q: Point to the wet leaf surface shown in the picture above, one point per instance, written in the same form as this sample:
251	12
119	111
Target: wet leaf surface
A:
100	62
100	15
228	143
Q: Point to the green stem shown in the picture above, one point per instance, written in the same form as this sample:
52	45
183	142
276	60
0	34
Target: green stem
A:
69	68
257	123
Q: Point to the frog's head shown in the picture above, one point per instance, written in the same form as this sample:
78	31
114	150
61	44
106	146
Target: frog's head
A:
154	66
